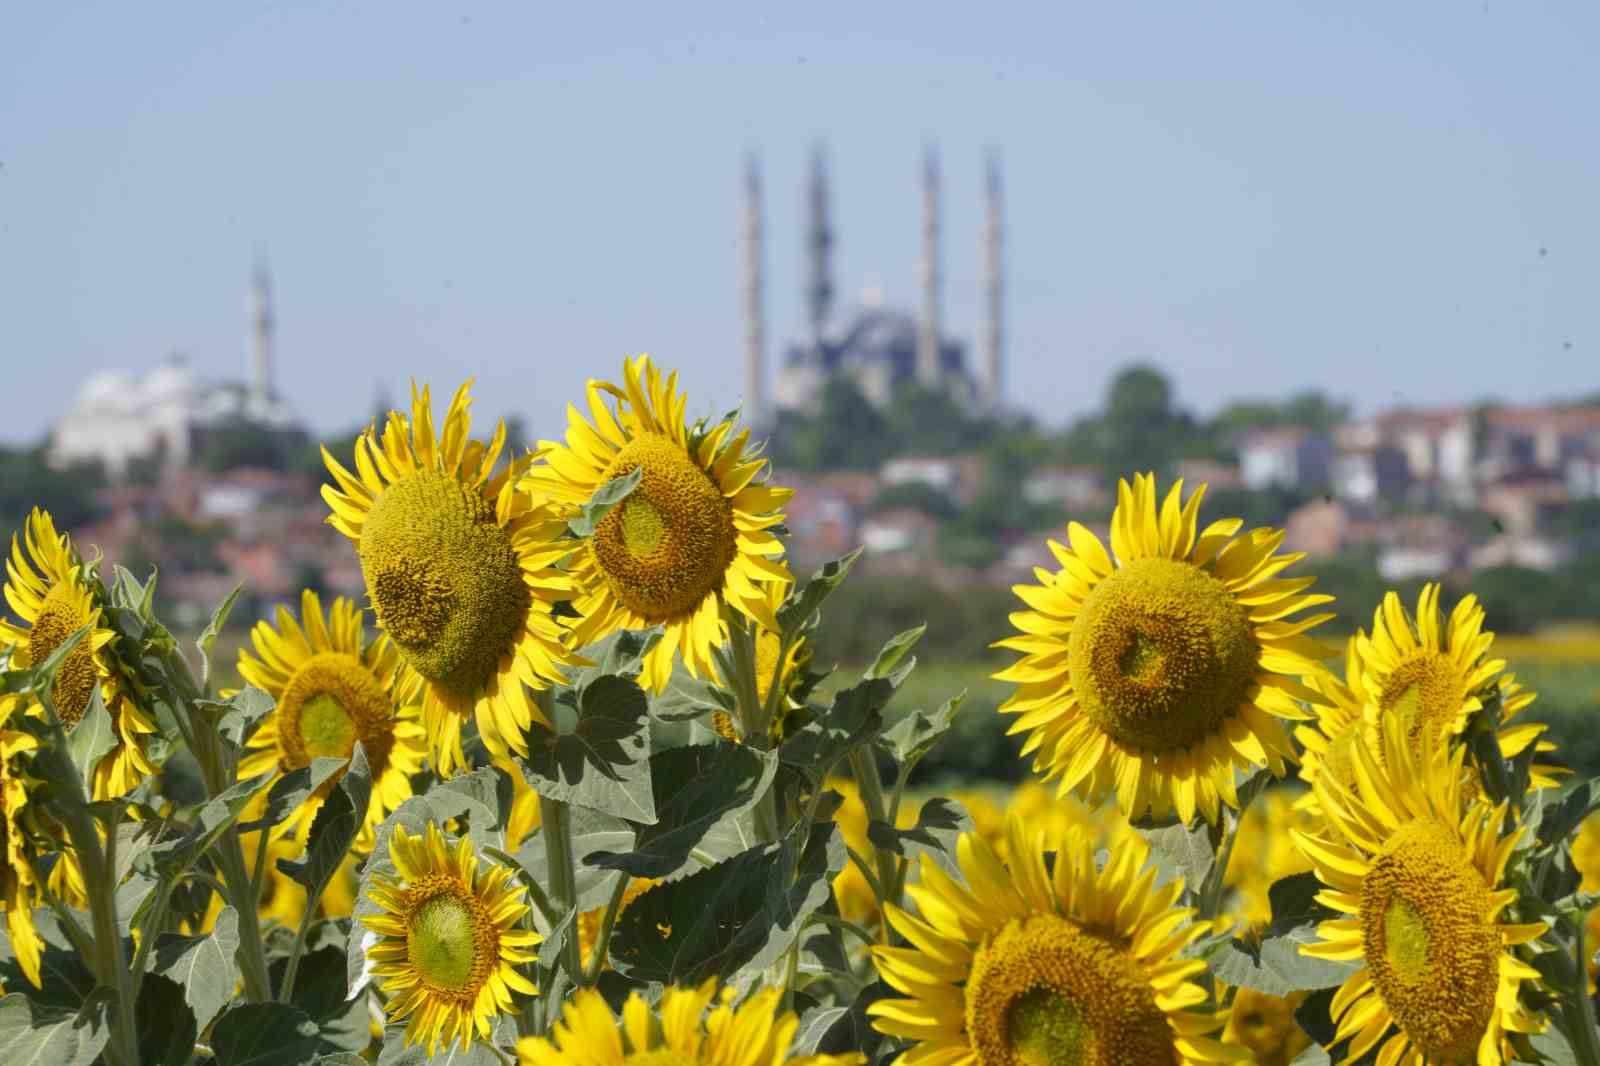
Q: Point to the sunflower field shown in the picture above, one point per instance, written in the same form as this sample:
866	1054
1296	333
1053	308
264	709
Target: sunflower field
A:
572	788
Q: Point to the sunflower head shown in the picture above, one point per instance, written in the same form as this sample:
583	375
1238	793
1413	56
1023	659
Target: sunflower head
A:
54	595
692	1027
1161	674
1266	1025
450	939
461	569
692	538
1418	871
333	688
1433	672
19	890
1047	960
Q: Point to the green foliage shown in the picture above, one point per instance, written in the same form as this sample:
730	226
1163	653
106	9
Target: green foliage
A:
27	480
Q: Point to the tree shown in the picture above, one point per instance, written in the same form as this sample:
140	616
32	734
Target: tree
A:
1139	430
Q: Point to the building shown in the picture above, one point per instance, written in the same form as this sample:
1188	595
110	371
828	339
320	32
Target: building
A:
882	349
1436	446
1284	458
166	414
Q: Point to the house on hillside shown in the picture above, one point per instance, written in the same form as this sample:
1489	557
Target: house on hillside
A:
1288	458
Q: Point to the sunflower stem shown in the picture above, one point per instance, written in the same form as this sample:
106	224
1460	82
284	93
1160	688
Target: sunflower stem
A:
1211	889
556	818
608	921
1578	1013
865	768
292	968
755	721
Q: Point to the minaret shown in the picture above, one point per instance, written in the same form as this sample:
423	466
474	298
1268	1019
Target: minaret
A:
993	308
755	385
819	242
928	331
260	401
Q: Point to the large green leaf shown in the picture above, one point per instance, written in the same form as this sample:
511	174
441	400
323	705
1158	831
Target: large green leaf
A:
694	787
239	713
602	763
203	966
264	1034
290	792
687	698
171	858
337	823
167	1029
319	990
605	497
592	831
620	654
851	720
739	914
1182	851
892	661
92	738
939	825
43	1036
396	1053
1277	967
915	735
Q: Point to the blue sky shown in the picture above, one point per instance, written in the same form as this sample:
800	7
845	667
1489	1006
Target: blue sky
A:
1395	202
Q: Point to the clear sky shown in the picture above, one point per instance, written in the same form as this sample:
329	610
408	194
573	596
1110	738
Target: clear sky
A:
1390	201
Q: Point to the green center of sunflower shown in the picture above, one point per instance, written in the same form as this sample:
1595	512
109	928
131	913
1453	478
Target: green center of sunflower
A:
1045	992
1429	939
1426	690
330	702
60	616
668	545
442	945
445	580
1161	655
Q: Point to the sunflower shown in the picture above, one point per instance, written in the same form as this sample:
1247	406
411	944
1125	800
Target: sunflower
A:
332	689
694	537
682	1032
1047	961
450	939
19	889
1162	674
1328	744
1417	873
1435	672
1266	1025
52	593
460	567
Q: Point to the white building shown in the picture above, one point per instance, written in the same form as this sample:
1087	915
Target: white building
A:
118	417
1284	458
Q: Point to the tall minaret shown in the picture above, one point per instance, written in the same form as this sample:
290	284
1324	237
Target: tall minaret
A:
755	384
928	331
261	338
993	307
819	243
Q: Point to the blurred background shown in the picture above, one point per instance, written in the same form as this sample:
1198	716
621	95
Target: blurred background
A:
964	266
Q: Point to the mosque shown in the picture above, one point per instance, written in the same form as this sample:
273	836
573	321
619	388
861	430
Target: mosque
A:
883	349
118	417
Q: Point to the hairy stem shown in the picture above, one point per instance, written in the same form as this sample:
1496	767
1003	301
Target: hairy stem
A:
557	820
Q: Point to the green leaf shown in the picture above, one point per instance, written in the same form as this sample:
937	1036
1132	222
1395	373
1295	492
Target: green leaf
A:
914	736
130	593
1182	851
851	720
290	792
92	739
694	787
1294	902
737	915
437	806
1278	968
602	763
167	1029
340	1058
264	1034
605	497
1254	786
42	1036
688	697
940	824
240	712
621	654
208	636
319	990
202	965
592	831
1562	818
806	599
888	662
171	858
337	823
1312	1056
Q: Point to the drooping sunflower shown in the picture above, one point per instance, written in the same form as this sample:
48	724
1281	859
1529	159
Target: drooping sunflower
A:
451	938
694	536
1417	873
19	889
682	1032
50	591
1434	672
332	688
461	570
1159	675
1047	961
